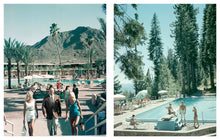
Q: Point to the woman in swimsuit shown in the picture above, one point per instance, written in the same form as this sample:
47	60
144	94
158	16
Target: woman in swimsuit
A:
74	113
195	117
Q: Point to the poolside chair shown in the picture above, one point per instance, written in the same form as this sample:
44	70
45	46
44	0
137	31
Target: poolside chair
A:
134	107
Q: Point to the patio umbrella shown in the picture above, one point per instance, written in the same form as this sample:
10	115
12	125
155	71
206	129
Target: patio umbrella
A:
162	92
48	76
28	77
141	95
118	97
36	76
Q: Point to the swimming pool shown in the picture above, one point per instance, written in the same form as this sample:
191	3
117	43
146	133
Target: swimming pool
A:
206	108
14	82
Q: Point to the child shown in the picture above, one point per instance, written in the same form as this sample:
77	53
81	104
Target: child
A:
195	117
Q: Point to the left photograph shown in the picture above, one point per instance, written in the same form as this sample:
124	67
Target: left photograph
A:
54	69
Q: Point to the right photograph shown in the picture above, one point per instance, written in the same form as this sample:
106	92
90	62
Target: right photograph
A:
165	70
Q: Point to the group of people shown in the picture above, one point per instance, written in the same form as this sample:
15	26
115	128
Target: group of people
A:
51	109
182	111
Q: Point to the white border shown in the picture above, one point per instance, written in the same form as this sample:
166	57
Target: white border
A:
110	62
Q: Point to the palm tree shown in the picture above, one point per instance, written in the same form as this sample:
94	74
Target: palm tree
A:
53	31
28	57
18	55
8	52
103	26
98	63
89	41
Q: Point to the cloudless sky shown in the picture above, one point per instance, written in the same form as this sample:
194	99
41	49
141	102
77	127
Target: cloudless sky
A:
30	23
165	16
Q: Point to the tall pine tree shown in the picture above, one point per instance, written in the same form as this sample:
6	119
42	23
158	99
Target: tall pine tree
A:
155	50
208	42
186	44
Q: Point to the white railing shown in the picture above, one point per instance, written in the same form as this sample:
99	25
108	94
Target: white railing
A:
12	128
95	120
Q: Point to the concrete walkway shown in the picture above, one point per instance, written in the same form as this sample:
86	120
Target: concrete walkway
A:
14	104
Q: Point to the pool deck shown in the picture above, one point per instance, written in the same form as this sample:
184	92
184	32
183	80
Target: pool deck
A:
13	109
121	118
122	128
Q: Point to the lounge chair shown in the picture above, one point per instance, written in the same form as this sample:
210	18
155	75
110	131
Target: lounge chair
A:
133	107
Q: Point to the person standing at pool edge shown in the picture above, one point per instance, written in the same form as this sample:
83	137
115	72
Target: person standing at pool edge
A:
195	117
75	91
183	112
51	108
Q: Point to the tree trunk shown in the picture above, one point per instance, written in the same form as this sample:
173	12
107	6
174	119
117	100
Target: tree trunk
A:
211	75
194	81
9	73
58	51
188	78
89	61
26	71
135	86
18	73
183	80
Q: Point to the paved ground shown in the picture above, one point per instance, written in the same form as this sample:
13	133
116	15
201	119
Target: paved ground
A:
13	108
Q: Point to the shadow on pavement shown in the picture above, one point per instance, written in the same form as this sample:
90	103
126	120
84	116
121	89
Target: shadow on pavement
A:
66	128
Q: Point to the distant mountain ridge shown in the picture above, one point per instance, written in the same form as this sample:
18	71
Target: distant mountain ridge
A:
72	47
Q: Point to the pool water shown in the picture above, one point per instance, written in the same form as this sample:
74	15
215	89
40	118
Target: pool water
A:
206	110
14	82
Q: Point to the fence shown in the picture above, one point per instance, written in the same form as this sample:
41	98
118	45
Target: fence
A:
96	125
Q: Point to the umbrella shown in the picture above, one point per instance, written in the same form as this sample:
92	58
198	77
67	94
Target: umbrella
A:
36	76
28	77
48	76
142	94
118	97
162	92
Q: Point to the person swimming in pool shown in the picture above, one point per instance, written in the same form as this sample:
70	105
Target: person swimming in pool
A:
195	117
170	110
182	110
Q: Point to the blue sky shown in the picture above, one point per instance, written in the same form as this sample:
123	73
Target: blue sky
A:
166	17
30	23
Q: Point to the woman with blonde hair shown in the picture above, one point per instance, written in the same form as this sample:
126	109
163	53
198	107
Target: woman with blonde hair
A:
30	111
74	114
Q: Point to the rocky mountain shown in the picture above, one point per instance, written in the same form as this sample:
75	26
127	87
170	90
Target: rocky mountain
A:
72	46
